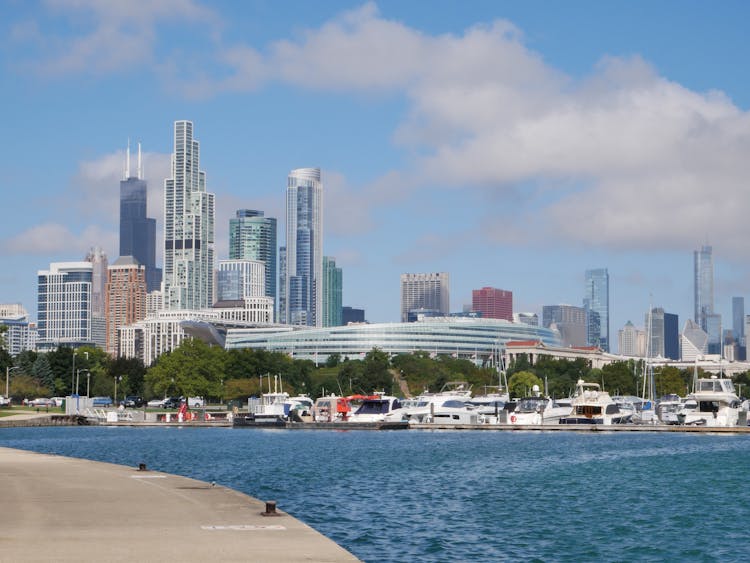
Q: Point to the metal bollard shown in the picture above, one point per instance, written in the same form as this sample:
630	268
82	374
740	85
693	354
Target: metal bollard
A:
270	509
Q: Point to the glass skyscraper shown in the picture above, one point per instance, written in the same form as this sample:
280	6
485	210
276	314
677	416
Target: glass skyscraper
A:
303	280
703	286
332	292
138	232
188	227
596	300
253	237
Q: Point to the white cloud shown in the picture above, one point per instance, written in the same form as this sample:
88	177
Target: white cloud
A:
57	239
622	158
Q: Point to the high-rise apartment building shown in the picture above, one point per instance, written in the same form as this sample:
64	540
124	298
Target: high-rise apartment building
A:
64	304
693	342
137	231
703	286
240	279
493	303
20	335
428	293
125	298
632	341
569	320
188	227
596	299
252	236
303	282
332	292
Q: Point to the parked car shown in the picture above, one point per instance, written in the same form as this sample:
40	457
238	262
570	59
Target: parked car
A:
172	403
133	401
156	403
41	402
196	402
58	401
102	401
4	402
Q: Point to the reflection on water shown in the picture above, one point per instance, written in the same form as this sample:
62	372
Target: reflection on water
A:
470	496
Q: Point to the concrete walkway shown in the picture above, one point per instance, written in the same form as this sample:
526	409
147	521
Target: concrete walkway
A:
63	509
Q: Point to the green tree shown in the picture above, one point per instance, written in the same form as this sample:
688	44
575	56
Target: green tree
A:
192	369
42	372
521	383
670	380
333	360
619	379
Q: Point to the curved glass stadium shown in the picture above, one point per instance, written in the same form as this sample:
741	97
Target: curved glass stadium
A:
468	338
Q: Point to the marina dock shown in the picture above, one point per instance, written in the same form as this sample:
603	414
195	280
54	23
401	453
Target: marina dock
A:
64	509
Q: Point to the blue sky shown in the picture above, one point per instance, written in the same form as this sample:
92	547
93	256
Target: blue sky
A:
512	144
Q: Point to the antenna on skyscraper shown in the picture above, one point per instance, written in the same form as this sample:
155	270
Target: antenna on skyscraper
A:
127	161
140	163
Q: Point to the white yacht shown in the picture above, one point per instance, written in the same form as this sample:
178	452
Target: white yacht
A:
381	408
424	407
668	407
539	410
712	403
591	405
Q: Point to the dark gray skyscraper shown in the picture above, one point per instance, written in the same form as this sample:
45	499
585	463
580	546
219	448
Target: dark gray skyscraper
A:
253	237
138	232
738	320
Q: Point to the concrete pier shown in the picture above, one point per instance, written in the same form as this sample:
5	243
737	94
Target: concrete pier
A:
57	508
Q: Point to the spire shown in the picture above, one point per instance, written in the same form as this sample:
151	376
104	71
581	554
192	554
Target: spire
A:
140	163
127	161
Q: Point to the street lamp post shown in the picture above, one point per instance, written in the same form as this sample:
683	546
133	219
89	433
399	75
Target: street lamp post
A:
8	369
88	381
78	375
117	378
73	374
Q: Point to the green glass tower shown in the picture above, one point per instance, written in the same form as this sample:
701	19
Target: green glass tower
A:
332	291
253	237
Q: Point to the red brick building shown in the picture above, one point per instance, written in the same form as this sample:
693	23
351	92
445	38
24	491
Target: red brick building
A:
493	303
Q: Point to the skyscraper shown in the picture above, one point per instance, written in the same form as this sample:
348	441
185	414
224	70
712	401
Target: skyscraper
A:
332	292
137	231
703	286
303	284
427	293
240	279
188	227
125	298
253	237
571	321
493	303
596	299
64	304
663	329
738	320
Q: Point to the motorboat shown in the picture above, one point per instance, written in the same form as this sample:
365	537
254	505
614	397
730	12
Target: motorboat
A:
378	408
423	407
452	411
667	408
592	405
714	402
539	410
331	408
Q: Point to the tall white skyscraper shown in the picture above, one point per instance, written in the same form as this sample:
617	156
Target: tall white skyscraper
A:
303	280
188	227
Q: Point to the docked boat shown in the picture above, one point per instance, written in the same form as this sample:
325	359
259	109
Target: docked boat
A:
592	405
378	408
539	410
453	395
667	408
714	402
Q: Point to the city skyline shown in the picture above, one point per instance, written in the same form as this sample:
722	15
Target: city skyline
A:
409	188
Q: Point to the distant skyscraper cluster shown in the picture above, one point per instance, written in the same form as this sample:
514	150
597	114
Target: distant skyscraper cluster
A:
132	308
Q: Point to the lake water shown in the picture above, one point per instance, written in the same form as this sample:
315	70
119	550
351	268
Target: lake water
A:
462	495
